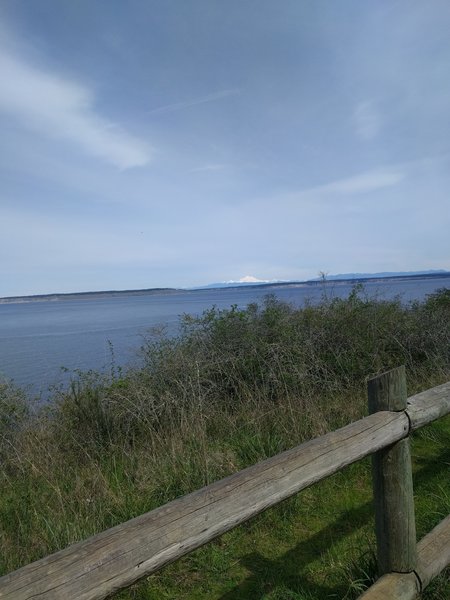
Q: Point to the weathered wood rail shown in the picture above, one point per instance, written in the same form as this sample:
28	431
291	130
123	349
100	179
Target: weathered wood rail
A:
99	566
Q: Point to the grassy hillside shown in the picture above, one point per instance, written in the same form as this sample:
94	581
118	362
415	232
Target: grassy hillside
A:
235	386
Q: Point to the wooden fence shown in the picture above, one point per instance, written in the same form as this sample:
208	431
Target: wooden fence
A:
116	558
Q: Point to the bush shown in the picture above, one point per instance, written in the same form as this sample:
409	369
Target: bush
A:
14	412
273	351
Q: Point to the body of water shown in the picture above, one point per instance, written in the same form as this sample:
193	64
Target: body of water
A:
38	338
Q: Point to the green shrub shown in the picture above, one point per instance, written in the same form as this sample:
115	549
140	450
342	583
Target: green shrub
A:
14	412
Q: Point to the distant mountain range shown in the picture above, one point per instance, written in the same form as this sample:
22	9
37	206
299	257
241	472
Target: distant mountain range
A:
249	280
244	281
383	274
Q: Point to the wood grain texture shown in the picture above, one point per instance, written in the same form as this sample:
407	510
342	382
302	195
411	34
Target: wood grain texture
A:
401	586
428	406
434	552
387	391
392	482
116	558
394	509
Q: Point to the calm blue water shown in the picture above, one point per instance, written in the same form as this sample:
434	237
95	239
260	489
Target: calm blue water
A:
37	339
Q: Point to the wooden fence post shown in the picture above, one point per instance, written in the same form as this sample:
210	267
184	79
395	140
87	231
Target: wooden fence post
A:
392	482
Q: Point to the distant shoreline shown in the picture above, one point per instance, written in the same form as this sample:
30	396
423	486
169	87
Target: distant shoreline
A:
57	297
86	295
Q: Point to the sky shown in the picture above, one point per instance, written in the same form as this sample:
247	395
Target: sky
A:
179	143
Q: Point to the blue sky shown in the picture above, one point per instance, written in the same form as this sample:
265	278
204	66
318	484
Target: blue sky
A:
148	143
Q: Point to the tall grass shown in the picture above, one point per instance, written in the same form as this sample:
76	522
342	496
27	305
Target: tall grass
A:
234	387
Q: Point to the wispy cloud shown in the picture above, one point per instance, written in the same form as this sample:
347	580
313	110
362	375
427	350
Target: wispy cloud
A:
328	202
60	108
367	120
203	100
209	167
362	183
369	181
